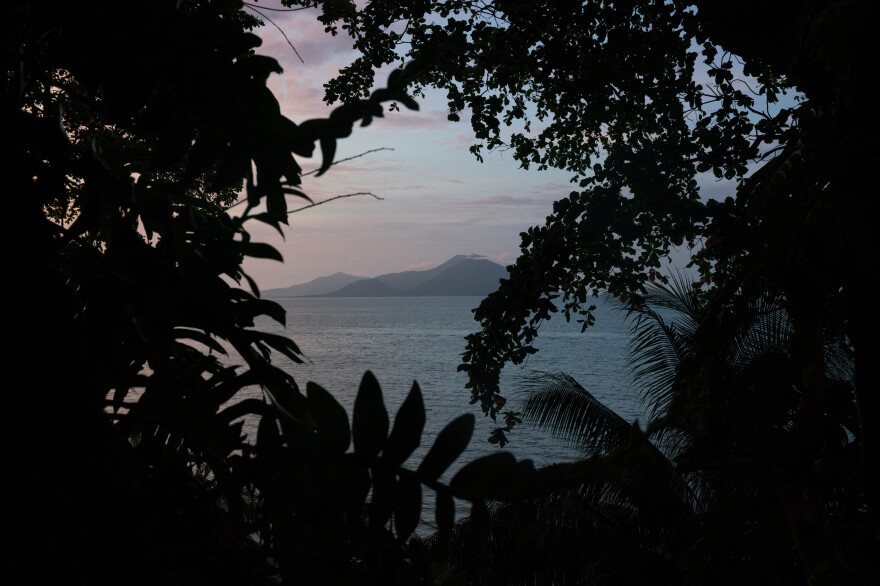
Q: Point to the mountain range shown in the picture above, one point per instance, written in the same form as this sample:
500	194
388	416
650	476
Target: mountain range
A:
460	275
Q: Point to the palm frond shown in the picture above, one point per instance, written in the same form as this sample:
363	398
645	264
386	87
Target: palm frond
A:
839	359
679	296
771	331
558	403
661	336
561	405
657	348
768	331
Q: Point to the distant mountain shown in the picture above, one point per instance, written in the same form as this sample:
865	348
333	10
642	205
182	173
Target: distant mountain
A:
460	275
365	288
468	277
314	287
409	279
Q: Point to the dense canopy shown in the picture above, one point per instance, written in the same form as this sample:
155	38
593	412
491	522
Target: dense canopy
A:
126	134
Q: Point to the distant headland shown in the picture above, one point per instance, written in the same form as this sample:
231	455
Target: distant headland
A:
460	275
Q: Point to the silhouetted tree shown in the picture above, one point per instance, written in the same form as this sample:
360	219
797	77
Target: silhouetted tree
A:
128	337
713	491
636	98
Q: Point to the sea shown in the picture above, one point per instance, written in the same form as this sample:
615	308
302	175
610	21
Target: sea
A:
403	340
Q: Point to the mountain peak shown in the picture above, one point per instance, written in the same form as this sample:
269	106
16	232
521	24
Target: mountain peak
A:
463	274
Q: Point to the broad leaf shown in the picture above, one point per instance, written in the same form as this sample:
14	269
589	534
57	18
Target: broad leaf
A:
450	443
408	426
199	336
382	502
334	435
258	250
282	344
445	513
244	408
268	437
358	485
369	424
407	505
480	478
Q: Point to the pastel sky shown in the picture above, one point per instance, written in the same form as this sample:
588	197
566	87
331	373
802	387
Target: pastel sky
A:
438	200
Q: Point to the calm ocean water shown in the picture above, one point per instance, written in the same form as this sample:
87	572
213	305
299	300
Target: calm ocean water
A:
408	339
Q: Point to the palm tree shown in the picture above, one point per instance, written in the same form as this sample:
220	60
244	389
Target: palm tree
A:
713	490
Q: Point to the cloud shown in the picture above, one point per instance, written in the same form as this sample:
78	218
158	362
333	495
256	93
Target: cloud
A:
505	258
512	200
306	34
420	266
461	141
413	120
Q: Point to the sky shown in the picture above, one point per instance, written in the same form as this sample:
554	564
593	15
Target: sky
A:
437	201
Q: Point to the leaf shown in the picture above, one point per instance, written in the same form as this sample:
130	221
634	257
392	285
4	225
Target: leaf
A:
259	250
358	485
119	394
226	390
199	336
479	479
328	151
382	503
445	513
498	437
253	284
407	505
409	423
297	193
271	220
334	435
303	144
271	309
276	203
558	403
370	418
268	437
282	344
450	443
258	67
244	408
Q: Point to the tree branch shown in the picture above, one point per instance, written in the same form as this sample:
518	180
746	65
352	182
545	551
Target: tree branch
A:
241	201
334	198
251	7
350	158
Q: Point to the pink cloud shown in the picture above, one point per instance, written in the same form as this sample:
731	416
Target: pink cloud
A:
513	200
307	36
461	141
409	120
505	258
420	266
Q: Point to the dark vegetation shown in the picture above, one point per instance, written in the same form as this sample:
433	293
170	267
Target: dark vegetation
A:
126	134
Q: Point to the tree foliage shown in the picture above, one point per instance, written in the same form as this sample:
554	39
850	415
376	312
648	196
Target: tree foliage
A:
713	490
641	100
637	99
131	345
131	323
